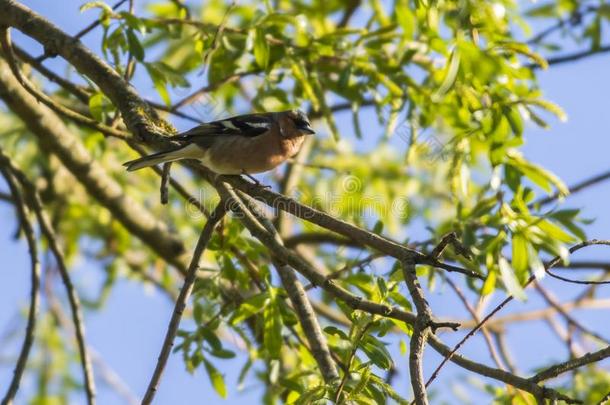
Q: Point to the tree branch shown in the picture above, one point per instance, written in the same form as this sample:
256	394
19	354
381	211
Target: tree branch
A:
421	331
547	266
571	364
75	306
299	299
181	302
28	230
58	139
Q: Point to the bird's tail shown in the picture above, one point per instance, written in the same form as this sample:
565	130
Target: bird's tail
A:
154	159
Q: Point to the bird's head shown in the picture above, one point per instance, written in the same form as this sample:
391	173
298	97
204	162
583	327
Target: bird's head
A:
296	121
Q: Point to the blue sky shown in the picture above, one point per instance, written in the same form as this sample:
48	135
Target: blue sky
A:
129	330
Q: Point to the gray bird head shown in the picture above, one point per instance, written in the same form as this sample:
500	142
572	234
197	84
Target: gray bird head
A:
301	121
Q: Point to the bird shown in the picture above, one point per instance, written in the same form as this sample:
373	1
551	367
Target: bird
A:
243	144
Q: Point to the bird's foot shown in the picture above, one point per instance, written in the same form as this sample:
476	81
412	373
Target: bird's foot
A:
256	182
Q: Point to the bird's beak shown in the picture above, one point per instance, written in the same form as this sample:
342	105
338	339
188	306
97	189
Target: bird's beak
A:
307	130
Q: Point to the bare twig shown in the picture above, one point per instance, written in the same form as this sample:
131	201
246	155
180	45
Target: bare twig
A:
492	350
575	188
106	373
48	101
497	374
75	306
28	230
571	364
185	293
548	265
569	318
79	35
571	57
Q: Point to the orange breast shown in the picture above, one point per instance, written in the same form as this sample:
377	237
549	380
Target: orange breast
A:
251	155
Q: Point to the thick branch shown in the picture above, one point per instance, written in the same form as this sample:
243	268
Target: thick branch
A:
139	117
57	138
297	294
421	331
309	322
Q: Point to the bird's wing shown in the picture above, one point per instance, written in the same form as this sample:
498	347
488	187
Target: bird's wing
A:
249	125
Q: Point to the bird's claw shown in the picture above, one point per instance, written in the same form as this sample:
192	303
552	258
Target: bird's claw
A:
256	182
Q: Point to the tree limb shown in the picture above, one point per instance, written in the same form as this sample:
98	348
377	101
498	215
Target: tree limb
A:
28	230
75	306
181	302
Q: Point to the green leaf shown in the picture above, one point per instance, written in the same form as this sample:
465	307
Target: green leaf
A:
261	48
273	329
97	103
333	330
159	81
451	71
135	47
537	174
299	73
520	254
133	22
514	119
217	380
377	352
510	280
405	18
535	263
223	353
210	337
96	4
490	284
311	396
550	107
244	373
555	232
249	307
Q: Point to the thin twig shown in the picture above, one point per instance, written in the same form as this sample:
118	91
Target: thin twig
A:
575	188
557	60
474	330
75	306
462	297
571	364
28	230
346	373
570	319
5	40
181	302
79	34
106	373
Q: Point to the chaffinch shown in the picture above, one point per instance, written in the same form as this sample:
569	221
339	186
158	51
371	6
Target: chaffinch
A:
244	144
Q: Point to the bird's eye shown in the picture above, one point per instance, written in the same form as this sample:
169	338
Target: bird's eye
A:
301	123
